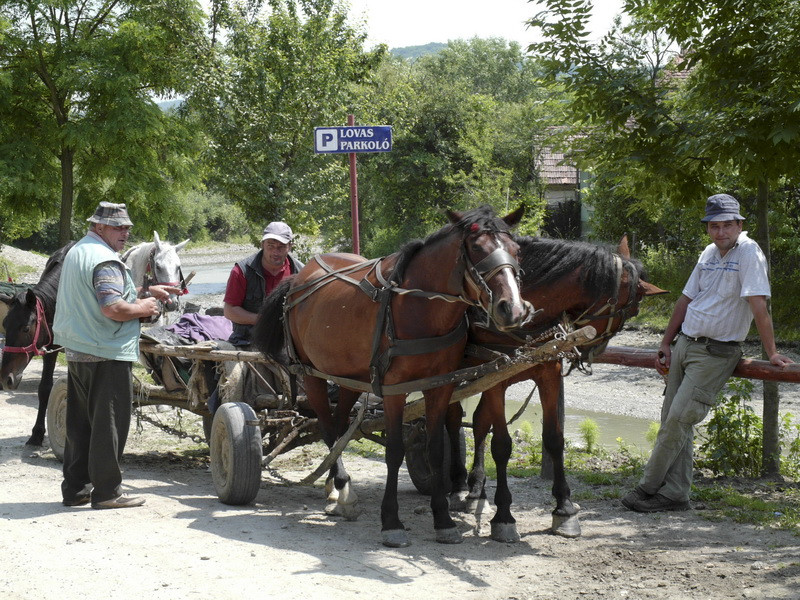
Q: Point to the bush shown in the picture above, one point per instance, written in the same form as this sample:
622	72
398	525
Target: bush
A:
590	432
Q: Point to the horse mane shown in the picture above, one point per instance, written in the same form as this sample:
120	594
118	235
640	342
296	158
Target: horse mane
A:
46	288
546	260
483	216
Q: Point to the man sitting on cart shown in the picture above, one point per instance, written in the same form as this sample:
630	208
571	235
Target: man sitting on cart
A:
254	277
250	282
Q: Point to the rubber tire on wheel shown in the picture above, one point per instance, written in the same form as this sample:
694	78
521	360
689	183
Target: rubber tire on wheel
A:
57	417
415	438
236	453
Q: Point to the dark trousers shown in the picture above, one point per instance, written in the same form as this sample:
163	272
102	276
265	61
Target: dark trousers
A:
98	419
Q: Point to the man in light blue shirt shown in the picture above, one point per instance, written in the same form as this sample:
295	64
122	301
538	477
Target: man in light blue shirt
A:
726	291
97	322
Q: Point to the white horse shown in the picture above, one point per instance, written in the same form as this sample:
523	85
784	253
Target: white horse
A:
156	263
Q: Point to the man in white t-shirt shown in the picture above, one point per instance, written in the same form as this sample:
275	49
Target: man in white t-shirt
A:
728	288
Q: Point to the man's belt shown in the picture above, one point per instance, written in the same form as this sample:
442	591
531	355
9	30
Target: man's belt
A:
707	340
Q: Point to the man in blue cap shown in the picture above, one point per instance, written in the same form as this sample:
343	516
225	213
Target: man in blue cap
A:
701	347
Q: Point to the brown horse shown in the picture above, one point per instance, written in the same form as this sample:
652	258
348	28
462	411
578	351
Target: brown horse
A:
390	326
574	284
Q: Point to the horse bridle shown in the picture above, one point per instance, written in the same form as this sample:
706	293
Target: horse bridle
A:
150	275
33	349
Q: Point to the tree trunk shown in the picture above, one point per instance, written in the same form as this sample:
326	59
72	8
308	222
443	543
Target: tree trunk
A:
67	190
771	456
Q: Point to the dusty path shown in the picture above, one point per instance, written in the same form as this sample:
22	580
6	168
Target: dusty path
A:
184	544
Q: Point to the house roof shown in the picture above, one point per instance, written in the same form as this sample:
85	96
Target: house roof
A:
554	170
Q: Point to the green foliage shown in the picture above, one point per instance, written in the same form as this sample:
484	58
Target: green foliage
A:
276	76
732	436
78	120
590	432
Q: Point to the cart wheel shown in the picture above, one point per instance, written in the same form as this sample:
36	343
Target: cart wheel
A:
416	439
57	417
236	453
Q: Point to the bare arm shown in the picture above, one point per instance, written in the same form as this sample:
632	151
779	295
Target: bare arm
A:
758	304
239	315
673	327
127	311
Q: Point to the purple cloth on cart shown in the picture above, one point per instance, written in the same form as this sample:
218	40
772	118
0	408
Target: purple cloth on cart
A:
200	328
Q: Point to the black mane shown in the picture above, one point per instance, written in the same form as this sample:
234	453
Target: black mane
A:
47	287
545	260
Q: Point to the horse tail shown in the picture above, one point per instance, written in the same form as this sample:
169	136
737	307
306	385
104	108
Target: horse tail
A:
268	332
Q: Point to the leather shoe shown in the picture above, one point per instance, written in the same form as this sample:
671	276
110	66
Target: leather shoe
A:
659	503
78	500
629	499
119	502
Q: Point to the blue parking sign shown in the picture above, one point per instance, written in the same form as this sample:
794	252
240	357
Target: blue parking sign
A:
366	138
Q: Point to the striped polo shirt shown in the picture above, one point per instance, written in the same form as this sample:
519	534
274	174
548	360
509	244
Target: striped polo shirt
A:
718	288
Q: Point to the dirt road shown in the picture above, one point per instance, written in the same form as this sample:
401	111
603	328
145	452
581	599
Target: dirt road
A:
184	544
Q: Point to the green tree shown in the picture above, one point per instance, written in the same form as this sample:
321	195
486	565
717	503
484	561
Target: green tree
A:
79	121
464	121
278	74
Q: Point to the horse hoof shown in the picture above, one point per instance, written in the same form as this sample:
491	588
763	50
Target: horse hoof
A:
35	441
458	501
505	532
451	535
566	526
333	509
350	512
395	538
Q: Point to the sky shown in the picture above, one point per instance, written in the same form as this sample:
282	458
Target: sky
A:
400	23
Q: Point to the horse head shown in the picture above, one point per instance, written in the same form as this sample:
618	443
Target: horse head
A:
166	267
623	303
487	271
27	333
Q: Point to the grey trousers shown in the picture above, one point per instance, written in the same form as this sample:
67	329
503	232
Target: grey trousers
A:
697	373
98	420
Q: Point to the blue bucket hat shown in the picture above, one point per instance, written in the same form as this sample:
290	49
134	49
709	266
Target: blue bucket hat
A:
722	207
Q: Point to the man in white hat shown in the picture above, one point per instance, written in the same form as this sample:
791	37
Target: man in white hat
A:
253	278
97	322
701	347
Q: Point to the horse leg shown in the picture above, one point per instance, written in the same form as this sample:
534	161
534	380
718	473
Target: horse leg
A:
565	515
476	482
503	524
338	479
393	532
45	386
436	406
341	496
458	469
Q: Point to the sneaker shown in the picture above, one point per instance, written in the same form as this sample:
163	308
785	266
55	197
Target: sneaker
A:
119	502
631	498
78	500
659	503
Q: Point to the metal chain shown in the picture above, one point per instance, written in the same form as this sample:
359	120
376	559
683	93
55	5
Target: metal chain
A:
140	416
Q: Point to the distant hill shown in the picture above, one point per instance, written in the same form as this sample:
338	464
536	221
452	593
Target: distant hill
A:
417	51
169	105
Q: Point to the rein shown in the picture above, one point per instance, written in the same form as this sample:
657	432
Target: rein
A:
474	276
32	349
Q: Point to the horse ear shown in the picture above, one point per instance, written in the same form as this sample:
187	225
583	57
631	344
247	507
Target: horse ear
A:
623	249
157	239
513	219
30	297
182	244
6	298
454	216
650	290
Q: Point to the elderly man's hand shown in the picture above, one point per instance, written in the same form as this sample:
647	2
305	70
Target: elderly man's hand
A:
162	292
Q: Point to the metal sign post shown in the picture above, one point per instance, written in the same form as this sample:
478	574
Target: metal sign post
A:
352	140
